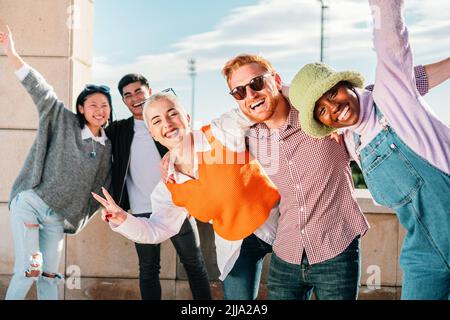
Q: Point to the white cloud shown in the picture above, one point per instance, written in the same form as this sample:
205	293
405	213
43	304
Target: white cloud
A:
287	33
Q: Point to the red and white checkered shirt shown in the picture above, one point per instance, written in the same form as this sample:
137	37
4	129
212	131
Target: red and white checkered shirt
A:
318	209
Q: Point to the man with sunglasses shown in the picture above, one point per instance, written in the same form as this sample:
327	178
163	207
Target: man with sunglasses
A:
317	243
136	157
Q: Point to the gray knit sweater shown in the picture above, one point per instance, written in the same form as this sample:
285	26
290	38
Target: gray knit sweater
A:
59	167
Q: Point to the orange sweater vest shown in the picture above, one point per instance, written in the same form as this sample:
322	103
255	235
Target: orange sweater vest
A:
232	190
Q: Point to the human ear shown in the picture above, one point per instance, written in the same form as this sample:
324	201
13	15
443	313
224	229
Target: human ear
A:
278	81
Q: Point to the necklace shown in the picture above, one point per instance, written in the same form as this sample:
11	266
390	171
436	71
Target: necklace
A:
92	154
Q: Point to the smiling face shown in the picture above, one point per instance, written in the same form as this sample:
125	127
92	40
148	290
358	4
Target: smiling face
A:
133	96
259	106
338	107
96	111
167	121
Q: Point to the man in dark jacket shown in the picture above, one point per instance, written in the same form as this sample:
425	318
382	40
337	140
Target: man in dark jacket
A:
135	173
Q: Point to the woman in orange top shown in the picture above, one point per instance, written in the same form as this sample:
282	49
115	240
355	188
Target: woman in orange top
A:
217	182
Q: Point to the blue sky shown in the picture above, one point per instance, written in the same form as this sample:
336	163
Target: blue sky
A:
156	38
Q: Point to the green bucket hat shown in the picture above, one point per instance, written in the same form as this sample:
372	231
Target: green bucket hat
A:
309	85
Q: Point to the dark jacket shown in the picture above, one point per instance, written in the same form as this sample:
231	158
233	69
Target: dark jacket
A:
121	134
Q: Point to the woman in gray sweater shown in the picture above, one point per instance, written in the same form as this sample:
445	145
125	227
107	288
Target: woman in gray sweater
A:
69	158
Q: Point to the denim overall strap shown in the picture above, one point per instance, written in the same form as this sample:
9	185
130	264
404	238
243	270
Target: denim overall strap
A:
357	139
401	179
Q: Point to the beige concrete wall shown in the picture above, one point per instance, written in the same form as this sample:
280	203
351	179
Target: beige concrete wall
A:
46	39
108	263
380	252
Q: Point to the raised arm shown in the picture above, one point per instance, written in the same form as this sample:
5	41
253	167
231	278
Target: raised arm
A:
7	42
42	94
422	80
391	42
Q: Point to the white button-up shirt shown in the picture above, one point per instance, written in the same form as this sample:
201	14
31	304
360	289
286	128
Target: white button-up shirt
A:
167	218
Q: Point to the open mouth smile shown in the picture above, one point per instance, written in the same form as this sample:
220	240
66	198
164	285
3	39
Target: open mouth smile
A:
171	134
139	104
99	118
257	104
345	113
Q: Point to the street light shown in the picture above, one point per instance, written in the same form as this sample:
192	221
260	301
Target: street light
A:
192	72
324	6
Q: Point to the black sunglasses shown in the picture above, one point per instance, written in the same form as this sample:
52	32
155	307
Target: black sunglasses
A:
256	84
96	88
169	90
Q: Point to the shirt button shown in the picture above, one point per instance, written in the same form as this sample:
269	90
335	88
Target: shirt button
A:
298	187
393	146
302	209
303	231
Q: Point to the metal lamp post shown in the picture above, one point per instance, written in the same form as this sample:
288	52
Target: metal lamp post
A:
193	73
324	7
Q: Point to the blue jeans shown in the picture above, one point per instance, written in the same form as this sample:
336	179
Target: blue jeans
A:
242	283
333	279
188	249
420	195
36	228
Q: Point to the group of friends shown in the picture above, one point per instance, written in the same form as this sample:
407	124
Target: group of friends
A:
271	176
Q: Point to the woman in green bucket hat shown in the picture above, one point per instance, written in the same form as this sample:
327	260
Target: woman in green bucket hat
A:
402	148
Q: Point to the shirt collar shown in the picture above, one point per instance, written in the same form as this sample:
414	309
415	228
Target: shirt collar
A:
86	134
201	144
293	119
138	124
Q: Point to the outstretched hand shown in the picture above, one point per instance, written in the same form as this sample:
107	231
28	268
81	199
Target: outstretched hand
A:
112	212
7	42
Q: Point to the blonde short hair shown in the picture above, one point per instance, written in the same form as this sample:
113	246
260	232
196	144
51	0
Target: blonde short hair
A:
161	96
245	59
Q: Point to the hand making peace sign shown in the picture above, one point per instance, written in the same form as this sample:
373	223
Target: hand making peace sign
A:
112	212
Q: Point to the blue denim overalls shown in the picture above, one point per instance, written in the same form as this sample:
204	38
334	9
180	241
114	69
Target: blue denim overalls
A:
419	193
